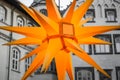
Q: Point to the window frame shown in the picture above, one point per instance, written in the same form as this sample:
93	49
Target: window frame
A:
104	53
49	71
102	75
115	14
28	63
18	62
90	49
115	35
44	11
93	19
30	24
91	69
4	13
117	69
18	20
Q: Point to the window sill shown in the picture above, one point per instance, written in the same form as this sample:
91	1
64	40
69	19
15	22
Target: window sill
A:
50	72
91	22
117	53
111	21
15	71
103	53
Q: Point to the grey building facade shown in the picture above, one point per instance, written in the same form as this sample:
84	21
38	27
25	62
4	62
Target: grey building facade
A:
103	12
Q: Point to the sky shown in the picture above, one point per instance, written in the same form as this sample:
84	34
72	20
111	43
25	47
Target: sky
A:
63	3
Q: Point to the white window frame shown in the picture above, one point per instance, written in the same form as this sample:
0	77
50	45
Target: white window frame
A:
84	75
101	48
20	21
87	48
15	59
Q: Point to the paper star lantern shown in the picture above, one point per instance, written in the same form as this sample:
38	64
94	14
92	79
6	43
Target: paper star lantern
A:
57	37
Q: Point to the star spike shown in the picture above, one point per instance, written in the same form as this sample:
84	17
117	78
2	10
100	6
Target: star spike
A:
25	41
41	48
81	10
52	9
92	40
51	51
30	12
61	64
35	32
84	21
94	30
69	67
69	14
48	24
84	56
37	62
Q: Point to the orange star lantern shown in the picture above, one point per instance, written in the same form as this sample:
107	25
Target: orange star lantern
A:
57	37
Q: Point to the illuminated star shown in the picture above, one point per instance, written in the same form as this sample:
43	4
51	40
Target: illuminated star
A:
58	37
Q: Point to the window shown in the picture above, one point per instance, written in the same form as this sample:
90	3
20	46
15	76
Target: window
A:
30	24
20	21
87	48
28	61
44	11
2	13
15	59
118	73
51	69
84	73
118	1
103	49
99	9
117	43
111	15
90	14
103	77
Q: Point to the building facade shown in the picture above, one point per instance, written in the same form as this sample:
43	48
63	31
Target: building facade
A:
102	12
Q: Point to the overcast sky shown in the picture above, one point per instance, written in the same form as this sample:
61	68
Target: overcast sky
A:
63	3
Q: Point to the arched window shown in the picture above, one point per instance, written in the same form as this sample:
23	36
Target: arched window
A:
44	11
112	6
90	14
30	24
20	21
105	6
2	13
99	8
15	59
